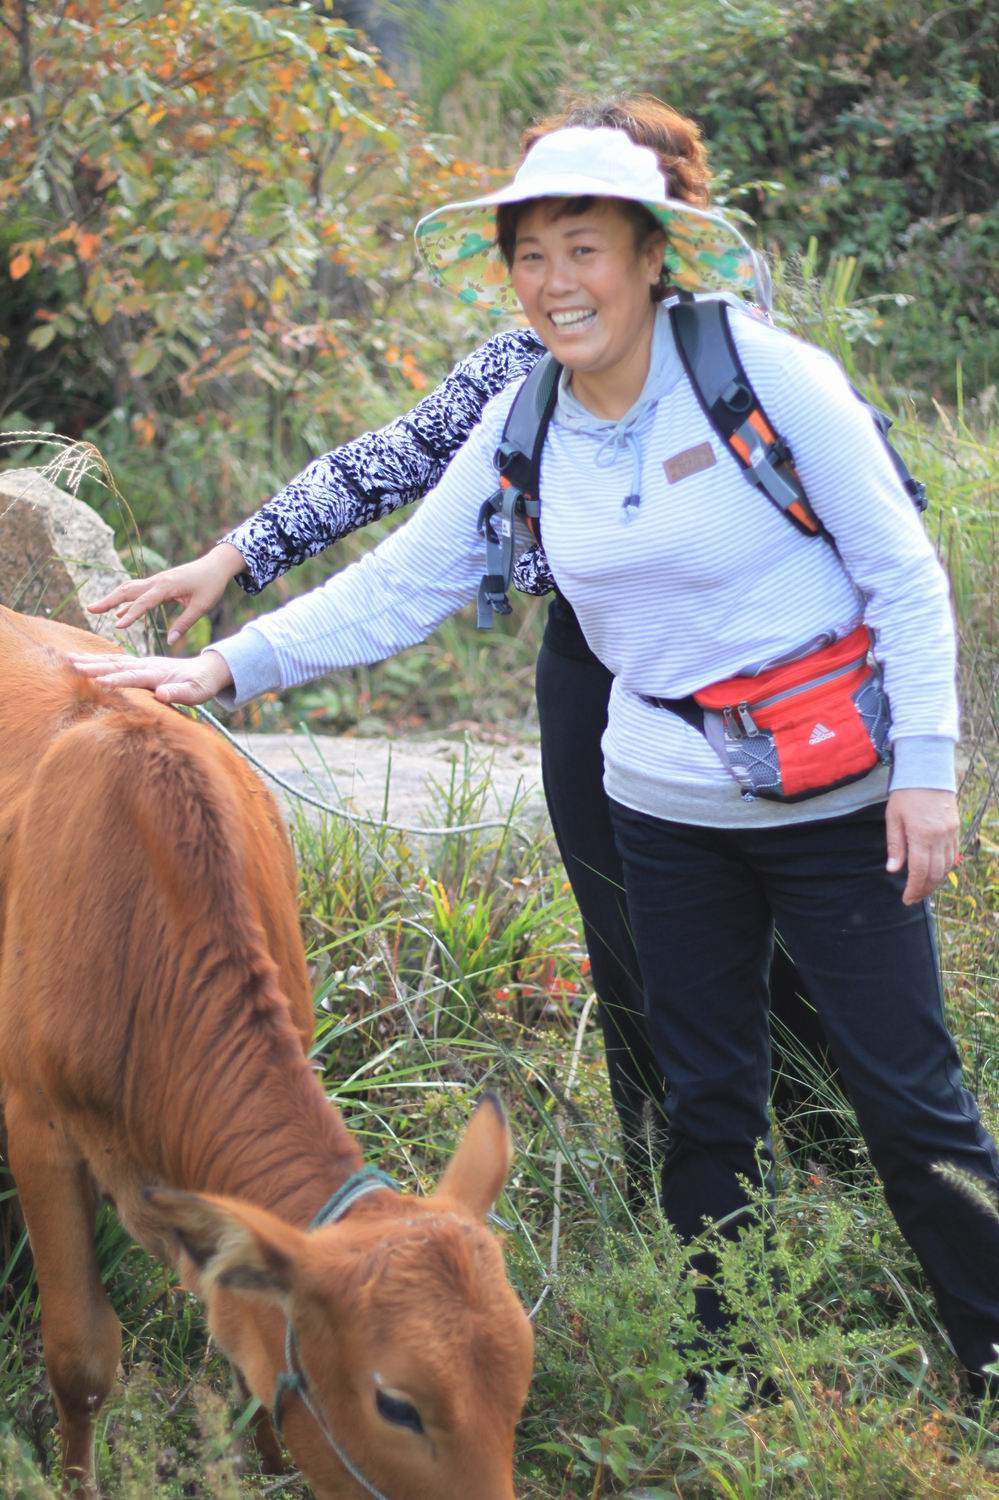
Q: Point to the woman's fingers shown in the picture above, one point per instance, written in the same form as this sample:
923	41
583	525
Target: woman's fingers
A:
920	883
922	829
141	604
134	599
187	681
97	666
121	595
192	612
895	828
197	586
126	671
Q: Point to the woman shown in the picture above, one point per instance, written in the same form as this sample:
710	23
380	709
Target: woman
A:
372	476
683	588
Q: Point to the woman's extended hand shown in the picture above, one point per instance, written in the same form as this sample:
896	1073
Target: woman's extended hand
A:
189	680
922	834
198	586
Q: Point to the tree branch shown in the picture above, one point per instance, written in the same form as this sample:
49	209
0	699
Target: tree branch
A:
61	16
244	192
24	59
179	80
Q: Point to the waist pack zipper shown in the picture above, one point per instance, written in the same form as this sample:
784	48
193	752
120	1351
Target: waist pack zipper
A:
739	722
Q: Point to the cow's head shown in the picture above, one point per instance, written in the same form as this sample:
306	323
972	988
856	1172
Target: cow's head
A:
414	1352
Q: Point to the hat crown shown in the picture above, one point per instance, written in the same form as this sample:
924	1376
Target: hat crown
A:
596	152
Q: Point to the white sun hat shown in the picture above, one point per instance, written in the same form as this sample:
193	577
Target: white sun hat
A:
704	251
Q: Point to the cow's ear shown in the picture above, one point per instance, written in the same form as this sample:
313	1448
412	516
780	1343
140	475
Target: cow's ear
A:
232	1245
478	1169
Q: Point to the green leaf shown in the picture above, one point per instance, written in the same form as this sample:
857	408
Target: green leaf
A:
102	307
41	338
145	359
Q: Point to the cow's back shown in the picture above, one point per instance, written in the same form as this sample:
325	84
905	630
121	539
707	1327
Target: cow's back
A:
100	798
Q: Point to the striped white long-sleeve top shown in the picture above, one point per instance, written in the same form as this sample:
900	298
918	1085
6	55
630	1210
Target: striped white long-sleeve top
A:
698	582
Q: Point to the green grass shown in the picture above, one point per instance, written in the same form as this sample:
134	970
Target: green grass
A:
439	966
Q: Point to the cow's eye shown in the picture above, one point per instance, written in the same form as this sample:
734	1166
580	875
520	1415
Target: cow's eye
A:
397	1410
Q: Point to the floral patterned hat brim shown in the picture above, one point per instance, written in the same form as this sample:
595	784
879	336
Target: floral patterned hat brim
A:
704	253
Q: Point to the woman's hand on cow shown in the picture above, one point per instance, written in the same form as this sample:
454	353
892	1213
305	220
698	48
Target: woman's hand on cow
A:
188	680
922	828
197	586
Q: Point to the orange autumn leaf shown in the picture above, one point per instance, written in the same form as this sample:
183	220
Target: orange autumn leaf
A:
413	373
20	266
87	245
144	429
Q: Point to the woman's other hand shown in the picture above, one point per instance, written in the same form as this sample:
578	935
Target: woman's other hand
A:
922	835
197	586
187	681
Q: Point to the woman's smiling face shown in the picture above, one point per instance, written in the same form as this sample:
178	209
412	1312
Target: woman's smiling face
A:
585	285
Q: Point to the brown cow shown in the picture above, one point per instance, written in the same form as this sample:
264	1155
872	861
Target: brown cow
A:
154	1013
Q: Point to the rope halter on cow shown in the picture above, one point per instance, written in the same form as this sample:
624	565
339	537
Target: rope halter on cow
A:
293	1378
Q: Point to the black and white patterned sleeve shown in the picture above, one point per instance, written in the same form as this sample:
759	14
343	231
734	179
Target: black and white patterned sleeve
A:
366	479
531	572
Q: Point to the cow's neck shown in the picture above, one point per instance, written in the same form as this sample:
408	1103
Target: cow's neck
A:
257	1125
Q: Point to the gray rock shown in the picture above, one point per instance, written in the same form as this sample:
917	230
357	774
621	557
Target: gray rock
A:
57	555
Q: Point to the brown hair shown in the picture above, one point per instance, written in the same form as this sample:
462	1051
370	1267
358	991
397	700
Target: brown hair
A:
682	158
674	138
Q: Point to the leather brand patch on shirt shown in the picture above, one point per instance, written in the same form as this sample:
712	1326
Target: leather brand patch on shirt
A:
691	461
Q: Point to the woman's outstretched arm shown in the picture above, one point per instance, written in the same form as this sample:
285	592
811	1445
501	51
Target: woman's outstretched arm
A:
366	479
393	598
336	494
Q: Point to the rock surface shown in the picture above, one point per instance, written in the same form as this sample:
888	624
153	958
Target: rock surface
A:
405	781
57	555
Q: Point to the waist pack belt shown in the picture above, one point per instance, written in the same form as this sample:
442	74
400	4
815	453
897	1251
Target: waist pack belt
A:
798	729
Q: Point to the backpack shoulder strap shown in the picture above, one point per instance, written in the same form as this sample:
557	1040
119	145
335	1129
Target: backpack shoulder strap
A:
914	488
716	372
518	463
703	336
518	457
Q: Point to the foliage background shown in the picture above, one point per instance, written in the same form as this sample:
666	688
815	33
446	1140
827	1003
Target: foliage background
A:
205	249
205	269
873	122
205	254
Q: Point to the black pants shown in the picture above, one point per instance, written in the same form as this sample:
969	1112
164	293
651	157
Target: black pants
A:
702	903
572	691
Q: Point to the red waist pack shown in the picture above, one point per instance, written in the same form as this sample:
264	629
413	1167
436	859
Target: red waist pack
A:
804	727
